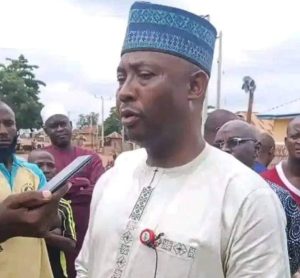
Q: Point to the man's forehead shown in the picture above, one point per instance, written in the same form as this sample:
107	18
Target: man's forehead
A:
6	112
139	58
237	129
41	156
296	125
225	133
57	118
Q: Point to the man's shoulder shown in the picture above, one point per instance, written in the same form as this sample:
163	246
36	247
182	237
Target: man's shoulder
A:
283	195
28	166
30	171
272	176
83	151
234	179
225	164
278	189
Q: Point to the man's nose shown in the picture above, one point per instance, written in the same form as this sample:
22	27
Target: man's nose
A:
45	169
3	130
127	92
60	127
225	148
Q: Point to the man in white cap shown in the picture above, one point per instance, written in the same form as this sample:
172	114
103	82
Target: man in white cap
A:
178	208
58	127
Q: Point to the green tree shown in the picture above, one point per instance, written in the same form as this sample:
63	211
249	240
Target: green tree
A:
113	122
88	120
20	90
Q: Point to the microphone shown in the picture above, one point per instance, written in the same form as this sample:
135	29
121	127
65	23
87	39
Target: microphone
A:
149	238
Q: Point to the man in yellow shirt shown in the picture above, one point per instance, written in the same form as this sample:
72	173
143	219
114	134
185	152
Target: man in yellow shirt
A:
16	176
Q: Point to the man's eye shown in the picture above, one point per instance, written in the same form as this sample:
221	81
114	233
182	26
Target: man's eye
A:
9	123
121	79
218	145
146	75
295	137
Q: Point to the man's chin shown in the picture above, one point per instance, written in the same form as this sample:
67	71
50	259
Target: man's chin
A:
62	143
134	136
297	157
4	146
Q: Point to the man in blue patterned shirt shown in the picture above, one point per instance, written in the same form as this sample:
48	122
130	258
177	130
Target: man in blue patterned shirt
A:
240	139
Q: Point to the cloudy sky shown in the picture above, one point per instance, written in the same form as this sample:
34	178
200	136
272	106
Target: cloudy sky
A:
77	43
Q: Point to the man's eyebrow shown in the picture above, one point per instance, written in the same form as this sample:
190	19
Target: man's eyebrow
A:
134	65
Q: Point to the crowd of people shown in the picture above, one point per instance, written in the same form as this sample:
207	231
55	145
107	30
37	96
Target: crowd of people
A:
184	205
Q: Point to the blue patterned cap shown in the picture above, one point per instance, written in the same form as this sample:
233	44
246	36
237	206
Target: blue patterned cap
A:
153	27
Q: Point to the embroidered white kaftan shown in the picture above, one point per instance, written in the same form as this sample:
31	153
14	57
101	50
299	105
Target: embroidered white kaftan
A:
219	219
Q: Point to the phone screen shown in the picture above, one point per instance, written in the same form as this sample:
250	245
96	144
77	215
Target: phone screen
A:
59	180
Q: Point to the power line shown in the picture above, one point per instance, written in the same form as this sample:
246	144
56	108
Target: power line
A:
282	105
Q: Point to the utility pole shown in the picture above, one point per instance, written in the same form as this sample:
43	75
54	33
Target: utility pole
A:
219	80
102	119
91	128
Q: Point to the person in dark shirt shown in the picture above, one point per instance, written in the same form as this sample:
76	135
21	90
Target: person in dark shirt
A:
266	152
58	127
61	239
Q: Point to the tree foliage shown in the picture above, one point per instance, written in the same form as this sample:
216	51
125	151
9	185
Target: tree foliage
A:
88	120
112	123
20	90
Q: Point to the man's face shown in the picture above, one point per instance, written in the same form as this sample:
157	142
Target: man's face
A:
59	129
152	95
292	141
46	163
233	141
8	132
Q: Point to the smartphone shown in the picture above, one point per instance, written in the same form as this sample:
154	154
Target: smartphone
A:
69	171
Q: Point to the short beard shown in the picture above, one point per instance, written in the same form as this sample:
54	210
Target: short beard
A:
5	153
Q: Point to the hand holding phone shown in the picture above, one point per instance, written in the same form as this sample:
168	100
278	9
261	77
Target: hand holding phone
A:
65	174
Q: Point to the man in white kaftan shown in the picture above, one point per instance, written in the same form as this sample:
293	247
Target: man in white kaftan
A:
213	217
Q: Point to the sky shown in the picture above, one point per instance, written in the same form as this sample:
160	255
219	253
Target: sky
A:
77	44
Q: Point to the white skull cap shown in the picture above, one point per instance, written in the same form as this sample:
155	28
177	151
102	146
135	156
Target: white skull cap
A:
52	109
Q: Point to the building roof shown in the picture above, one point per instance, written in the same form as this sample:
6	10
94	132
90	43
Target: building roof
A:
85	130
276	116
265	125
114	135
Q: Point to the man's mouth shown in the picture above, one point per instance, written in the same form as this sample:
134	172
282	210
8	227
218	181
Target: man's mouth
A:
5	143
129	117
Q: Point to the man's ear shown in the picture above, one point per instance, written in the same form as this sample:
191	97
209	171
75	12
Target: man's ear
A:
257	149
198	85
71	124
272	151
45	129
285	141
